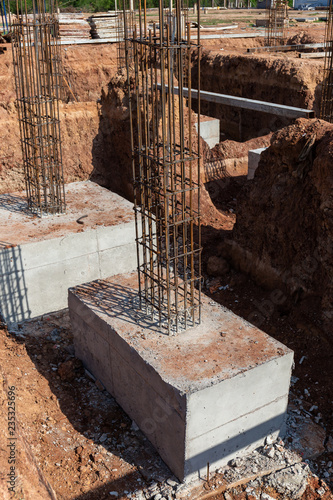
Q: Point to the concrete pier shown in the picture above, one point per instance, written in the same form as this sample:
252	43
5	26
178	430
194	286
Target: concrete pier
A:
207	395
40	258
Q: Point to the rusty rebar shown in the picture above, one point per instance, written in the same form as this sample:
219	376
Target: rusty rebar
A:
326	107
276	22
38	80
166	166
125	27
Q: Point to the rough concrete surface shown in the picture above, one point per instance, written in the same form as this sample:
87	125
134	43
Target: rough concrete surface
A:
203	396
40	258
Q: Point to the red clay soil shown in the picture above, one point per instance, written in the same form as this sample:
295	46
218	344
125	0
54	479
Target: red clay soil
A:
87	70
284	220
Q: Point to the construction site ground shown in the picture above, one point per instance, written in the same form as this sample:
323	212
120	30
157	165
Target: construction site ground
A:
73	440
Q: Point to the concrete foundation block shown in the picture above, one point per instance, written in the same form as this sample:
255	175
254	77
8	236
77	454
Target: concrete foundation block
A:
253	161
209	394
40	258
209	130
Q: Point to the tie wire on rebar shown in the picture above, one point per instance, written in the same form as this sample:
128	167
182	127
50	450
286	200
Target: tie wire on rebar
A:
166	165
326	107
38	80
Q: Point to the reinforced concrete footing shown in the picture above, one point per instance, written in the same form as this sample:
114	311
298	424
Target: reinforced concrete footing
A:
40	258
205	396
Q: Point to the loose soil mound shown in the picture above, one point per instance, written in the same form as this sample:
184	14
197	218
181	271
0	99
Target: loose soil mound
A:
301	38
284	222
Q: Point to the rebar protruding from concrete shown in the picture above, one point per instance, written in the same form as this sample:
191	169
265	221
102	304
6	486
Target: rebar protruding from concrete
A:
326	107
38	79
277	19
166	165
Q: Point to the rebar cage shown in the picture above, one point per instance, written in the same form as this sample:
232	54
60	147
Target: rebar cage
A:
275	33
121	35
38	79
326	107
166	167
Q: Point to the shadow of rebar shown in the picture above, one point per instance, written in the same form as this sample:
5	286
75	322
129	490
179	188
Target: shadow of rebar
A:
14	305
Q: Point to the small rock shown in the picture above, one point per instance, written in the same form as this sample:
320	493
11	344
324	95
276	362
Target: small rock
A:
321	491
270	452
329	445
217	266
235	462
270	440
99	385
114	493
171	483
134	426
227	496
265	496
55	335
158	496
102	439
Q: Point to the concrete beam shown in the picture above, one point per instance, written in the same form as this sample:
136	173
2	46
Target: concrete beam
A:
230	35
251	104
286	48
312	55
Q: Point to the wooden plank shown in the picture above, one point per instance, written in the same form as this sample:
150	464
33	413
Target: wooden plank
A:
286	48
251	104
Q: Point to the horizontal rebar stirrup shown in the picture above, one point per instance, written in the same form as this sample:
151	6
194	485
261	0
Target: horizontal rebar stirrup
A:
166	167
276	21
326	108
38	79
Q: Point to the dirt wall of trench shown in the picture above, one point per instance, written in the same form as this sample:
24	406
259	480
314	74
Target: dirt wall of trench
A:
87	70
265	77
283	234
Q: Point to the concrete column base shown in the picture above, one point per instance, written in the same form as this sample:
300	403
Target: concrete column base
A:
207	395
40	258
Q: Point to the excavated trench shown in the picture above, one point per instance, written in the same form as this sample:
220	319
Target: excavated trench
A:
96	142
280	80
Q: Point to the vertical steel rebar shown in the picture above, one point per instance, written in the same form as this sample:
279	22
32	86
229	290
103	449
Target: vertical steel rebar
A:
326	107
38	81
166	165
276	21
